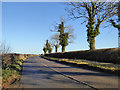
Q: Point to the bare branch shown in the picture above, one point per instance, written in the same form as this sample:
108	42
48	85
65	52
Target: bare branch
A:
4	48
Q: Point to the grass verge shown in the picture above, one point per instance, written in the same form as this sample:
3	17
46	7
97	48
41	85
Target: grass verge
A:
11	72
91	65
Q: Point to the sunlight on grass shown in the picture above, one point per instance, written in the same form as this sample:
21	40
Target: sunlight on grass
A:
106	66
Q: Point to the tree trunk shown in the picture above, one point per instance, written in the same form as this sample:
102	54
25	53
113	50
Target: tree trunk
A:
92	44
56	49
63	48
44	52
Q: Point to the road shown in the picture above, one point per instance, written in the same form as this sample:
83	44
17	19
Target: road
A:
41	73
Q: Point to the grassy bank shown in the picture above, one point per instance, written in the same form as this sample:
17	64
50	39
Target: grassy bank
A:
11	68
97	66
11	73
109	55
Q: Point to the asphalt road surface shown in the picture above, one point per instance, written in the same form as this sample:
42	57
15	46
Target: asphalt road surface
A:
41	73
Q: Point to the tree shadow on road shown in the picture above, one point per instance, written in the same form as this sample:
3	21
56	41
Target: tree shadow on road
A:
48	71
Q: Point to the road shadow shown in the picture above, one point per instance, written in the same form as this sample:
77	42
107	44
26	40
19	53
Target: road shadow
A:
29	61
47	71
31	66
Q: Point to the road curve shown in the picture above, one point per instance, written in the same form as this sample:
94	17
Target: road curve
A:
41	73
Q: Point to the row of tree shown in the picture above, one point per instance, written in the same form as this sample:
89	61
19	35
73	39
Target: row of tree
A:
93	14
63	37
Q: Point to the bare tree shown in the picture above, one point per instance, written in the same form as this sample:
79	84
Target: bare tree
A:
116	23
4	48
93	14
55	42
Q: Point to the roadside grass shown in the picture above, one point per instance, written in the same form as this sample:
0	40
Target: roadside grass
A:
11	73
100	66
11	70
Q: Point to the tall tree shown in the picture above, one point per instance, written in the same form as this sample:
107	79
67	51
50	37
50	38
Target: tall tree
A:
93	14
63	36
66	35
